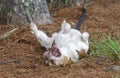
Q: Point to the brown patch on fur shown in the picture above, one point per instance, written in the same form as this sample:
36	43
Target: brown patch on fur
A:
52	46
49	49
65	61
82	53
51	63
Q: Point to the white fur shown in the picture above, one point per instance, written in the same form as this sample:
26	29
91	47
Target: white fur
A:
69	41
44	40
65	27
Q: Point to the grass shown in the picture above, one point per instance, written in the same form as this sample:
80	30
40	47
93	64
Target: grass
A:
107	45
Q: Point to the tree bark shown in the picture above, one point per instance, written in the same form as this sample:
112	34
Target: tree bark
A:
5	11
37	9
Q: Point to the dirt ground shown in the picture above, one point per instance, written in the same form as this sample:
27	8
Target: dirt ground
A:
25	54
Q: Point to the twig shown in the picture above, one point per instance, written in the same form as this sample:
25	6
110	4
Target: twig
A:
8	33
9	61
88	4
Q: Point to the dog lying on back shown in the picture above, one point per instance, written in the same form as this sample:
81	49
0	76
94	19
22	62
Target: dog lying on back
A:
63	47
69	45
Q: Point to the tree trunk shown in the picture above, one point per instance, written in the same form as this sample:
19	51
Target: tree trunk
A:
5	11
17	11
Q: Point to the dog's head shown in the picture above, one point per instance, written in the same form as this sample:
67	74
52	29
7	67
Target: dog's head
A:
55	57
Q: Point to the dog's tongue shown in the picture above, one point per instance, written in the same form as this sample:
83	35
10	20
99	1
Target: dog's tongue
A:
56	52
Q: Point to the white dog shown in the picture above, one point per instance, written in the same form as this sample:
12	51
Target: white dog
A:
68	45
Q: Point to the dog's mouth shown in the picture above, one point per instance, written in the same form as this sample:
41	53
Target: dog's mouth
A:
55	52
52	55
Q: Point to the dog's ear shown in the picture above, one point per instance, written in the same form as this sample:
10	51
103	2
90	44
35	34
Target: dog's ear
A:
56	52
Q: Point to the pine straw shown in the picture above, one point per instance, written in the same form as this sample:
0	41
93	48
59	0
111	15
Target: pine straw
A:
22	45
